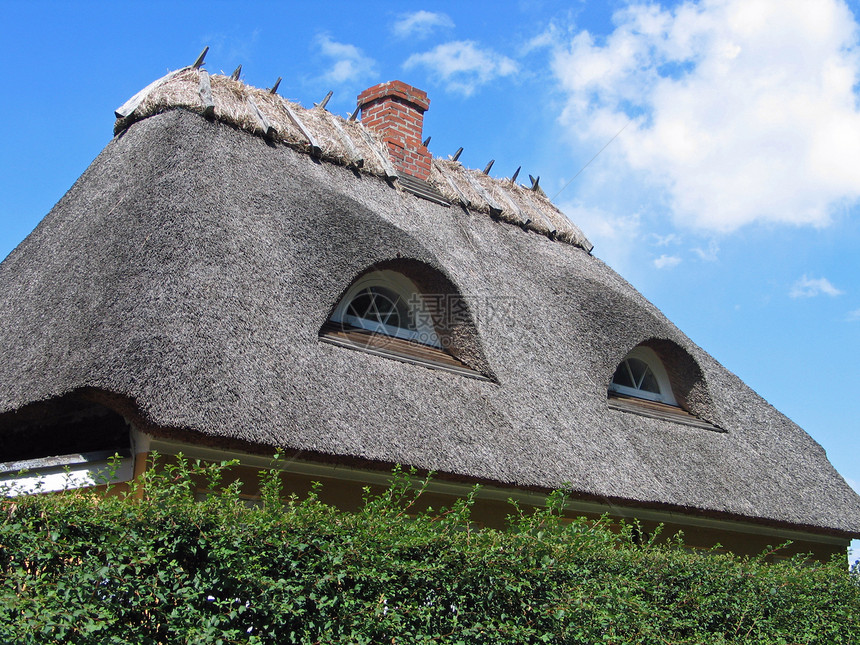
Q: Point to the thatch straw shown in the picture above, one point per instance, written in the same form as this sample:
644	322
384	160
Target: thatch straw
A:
234	105
192	266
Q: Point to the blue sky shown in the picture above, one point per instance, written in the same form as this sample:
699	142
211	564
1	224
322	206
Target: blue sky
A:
729	198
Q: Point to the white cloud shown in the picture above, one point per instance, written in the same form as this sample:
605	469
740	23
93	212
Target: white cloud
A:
420	24
667	261
709	254
462	65
807	287
853	316
616	238
349	63
742	110
664	240
546	38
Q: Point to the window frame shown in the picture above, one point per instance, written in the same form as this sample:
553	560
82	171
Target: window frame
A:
409	294
650	358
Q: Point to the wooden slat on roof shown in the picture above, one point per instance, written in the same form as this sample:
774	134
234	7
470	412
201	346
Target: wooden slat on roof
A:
422	189
355	158
316	149
387	166
130	106
465	201
495	209
267	128
515	208
534	208
205	92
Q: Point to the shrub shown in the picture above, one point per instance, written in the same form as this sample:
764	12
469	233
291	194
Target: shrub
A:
156	566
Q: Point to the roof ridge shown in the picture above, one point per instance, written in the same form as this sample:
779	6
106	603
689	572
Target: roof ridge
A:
330	137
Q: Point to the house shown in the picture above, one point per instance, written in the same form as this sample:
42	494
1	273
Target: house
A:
235	273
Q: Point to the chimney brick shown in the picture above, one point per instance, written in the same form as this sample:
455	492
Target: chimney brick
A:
395	110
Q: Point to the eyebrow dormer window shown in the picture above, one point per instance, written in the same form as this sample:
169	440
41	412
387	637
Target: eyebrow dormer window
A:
380	308
641	385
641	375
385	313
389	304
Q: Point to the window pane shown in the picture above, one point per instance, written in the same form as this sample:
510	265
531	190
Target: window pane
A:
622	376
379	305
386	311
361	305
649	382
638	369
395	310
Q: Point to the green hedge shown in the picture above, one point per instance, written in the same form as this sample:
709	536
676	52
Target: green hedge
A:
83	567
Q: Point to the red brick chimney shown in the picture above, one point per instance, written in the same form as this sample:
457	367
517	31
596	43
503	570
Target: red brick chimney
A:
396	111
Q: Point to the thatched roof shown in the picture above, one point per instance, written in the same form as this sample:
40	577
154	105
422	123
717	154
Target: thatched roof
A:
335	139
192	266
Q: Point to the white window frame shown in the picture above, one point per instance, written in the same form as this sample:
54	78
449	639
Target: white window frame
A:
650	358
424	332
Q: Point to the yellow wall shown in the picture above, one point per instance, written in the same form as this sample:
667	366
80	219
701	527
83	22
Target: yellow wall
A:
347	495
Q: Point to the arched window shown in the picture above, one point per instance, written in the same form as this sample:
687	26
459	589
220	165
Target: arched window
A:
411	313
641	384
641	375
387	303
